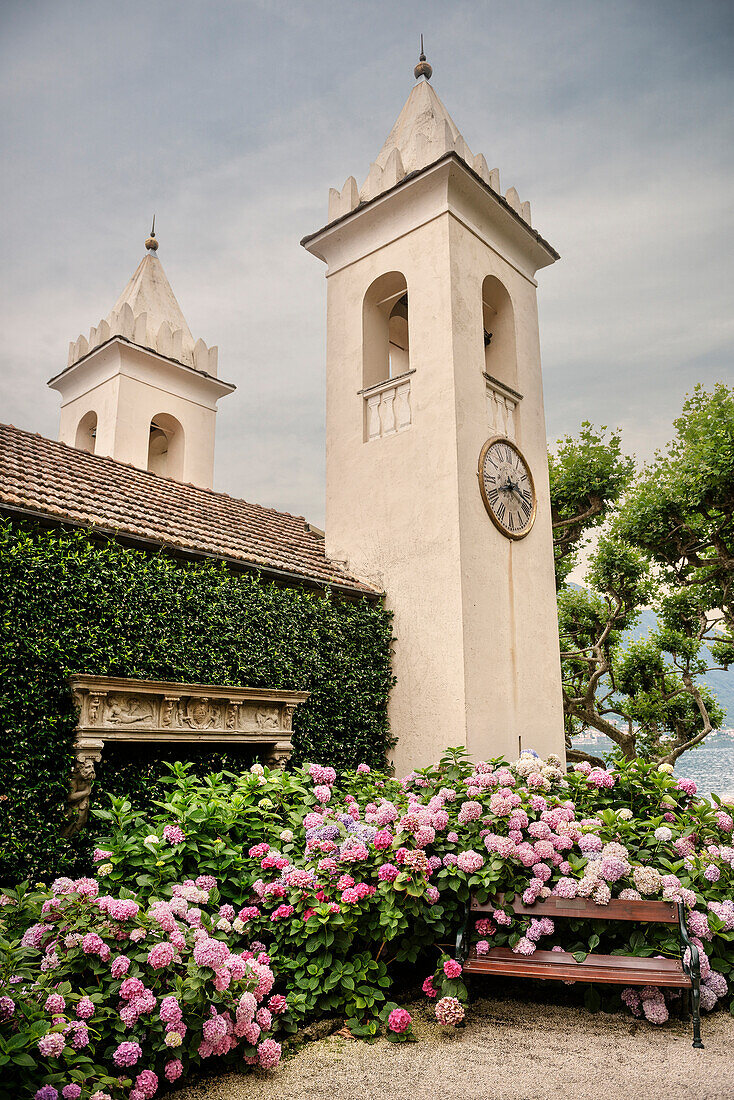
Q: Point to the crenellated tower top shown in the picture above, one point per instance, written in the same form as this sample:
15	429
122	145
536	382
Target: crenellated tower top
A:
148	314
423	133
139	388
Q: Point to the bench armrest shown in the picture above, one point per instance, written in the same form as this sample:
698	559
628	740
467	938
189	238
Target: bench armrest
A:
693	968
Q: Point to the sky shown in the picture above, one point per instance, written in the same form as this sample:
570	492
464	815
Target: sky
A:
230	119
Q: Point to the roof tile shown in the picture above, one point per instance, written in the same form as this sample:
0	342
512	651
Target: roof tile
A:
41	475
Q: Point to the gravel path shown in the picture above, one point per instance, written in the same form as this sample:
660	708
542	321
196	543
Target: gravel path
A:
510	1050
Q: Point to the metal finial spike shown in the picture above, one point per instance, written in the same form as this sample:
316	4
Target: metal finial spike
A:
152	244
422	68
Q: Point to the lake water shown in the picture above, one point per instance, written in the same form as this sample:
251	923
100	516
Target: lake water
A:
711	764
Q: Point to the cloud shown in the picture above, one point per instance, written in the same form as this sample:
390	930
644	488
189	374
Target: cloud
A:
230	120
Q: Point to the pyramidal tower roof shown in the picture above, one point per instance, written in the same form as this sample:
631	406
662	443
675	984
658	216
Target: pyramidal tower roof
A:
422	127
423	133
148	314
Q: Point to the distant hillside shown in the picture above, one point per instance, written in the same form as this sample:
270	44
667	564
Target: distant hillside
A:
721	683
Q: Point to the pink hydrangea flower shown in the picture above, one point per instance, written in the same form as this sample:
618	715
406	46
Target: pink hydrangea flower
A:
399	1020
51	1045
127	1054
688	786
452	968
173	1070
122	909
170	1010
210	952
131	987
120	966
161	955
387	873
268	1053
92	944
470	811
449	1011
147	1083
55	1003
428	989
469	861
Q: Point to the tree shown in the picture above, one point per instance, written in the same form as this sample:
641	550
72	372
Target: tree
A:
667	545
588	475
681	509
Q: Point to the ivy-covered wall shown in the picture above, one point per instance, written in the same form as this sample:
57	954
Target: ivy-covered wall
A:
70	603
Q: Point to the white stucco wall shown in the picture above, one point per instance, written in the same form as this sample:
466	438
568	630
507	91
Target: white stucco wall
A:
127	386
476	651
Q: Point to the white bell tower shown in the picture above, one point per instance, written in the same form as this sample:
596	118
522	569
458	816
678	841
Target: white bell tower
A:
138	389
432	351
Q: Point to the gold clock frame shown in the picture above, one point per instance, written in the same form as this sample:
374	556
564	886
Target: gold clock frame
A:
514	535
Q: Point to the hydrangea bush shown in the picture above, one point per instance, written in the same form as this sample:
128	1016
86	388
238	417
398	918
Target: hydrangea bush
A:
115	994
247	904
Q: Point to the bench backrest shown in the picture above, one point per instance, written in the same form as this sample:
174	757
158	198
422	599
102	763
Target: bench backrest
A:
657	912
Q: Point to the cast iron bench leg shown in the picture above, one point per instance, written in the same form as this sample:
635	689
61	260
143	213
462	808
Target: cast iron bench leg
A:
696	1006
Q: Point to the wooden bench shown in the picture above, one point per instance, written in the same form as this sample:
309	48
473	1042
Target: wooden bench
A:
562	966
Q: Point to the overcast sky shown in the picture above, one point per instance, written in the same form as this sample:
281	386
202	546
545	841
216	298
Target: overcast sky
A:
231	119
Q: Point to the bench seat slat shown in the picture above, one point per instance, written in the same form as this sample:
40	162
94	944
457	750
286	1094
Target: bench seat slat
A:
662	912
561	966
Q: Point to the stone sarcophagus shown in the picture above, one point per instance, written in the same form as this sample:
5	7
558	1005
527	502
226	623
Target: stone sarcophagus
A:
153	711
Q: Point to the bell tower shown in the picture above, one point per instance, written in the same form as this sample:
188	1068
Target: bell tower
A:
138	389
433	353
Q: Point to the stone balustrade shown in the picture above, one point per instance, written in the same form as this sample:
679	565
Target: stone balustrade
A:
501	405
387	407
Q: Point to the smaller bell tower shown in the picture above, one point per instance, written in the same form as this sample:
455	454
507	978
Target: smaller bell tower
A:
139	389
436	465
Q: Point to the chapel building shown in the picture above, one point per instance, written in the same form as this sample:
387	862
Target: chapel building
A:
437	478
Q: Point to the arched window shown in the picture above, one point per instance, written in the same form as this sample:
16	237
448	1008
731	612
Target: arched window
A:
500	359
166	447
385	330
86	433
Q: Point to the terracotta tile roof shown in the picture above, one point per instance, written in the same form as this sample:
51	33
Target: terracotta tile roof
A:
41	476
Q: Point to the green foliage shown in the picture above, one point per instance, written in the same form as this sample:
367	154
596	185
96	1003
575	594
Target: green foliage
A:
681	510
588	475
345	912
72	604
669	544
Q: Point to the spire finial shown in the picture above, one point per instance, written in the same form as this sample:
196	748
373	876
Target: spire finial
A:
422	68
152	244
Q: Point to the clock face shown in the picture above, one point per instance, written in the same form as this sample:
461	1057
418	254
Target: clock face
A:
507	486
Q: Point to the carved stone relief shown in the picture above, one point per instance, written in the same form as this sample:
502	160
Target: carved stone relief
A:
117	709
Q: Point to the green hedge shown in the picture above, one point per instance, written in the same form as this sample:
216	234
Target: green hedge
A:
71	603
